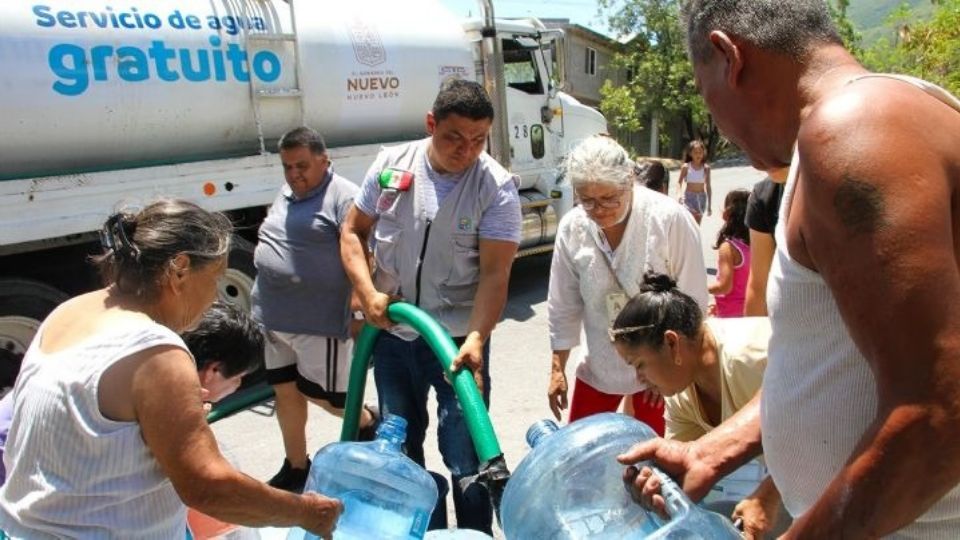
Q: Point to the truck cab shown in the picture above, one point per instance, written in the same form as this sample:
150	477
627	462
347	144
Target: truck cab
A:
543	123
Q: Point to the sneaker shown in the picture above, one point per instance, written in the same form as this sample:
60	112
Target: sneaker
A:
289	478
369	432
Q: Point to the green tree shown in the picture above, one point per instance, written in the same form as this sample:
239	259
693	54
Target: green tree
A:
934	46
929	49
851	37
661	84
886	54
661	81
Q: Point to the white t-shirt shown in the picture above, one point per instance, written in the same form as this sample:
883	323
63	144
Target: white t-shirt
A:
742	354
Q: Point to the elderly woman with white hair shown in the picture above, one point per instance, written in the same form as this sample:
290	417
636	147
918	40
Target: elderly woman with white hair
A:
603	247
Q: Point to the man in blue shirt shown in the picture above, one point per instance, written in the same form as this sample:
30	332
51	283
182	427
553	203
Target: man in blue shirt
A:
302	297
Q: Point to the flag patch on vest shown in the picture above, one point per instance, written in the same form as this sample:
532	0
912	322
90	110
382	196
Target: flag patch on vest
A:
393	182
465	224
397	179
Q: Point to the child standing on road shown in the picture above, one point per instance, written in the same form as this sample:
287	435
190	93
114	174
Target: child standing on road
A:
696	173
733	256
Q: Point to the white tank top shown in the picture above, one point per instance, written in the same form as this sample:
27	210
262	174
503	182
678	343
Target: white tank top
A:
695	176
71	472
819	394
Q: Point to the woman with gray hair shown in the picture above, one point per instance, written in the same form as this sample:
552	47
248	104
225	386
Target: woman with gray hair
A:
604	245
109	436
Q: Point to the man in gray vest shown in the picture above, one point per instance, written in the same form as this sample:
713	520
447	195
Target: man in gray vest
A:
445	219
301	297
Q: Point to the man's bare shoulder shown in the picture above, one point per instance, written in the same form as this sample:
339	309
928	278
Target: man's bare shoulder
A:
876	123
873	144
878	106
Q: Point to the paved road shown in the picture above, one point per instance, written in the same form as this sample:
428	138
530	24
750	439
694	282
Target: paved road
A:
519	367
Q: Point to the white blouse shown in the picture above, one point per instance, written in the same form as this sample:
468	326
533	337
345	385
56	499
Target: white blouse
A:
660	235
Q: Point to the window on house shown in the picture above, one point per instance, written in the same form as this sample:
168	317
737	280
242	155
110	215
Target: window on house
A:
591	62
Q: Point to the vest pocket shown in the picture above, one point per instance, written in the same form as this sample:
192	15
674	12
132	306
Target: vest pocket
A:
386	251
464	268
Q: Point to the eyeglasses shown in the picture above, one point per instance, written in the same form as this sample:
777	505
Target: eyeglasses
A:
610	202
615	332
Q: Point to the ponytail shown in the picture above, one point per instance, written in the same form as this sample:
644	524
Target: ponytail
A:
660	306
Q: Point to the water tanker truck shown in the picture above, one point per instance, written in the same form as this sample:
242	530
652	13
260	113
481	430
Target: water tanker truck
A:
108	105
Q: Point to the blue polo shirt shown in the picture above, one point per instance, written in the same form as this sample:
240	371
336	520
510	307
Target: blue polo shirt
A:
301	286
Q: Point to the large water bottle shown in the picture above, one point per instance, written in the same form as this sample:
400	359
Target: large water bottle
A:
385	494
570	486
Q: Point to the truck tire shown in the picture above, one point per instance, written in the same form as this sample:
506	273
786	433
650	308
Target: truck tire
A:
236	285
24	303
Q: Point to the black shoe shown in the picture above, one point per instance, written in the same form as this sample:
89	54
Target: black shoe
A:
369	432
289	478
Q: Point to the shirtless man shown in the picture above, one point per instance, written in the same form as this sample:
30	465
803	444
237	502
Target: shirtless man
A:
860	405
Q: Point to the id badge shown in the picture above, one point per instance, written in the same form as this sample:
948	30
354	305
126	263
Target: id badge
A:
615	303
387	201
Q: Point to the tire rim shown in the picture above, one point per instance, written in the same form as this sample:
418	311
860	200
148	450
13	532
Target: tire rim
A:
16	333
236	288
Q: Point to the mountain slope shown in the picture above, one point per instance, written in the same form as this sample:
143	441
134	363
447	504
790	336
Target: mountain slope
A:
869	16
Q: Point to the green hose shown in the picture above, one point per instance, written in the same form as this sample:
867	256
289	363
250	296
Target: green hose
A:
474	410
240	402
362	351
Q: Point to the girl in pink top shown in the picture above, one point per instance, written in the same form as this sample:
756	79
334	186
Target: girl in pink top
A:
733	264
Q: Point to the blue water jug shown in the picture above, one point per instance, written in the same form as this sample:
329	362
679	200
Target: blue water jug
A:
570	486
385	495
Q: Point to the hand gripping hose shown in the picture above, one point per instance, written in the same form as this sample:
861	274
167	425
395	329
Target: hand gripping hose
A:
493	468
474	410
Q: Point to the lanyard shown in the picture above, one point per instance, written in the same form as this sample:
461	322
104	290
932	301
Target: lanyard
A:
606	258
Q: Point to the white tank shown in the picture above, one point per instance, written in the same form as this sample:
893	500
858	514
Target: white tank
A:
94	85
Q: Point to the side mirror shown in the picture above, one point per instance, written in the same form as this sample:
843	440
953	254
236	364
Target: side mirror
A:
546	113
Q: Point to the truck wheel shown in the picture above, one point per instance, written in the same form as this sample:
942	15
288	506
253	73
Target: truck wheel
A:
24	304
236	285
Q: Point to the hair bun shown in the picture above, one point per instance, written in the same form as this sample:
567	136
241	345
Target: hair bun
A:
116	236
657	282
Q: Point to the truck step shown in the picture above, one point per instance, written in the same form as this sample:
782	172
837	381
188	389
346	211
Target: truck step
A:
536	203
535	250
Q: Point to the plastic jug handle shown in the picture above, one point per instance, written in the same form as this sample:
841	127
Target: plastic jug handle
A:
676	500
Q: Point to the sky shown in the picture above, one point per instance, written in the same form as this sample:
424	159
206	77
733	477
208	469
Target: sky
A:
582	12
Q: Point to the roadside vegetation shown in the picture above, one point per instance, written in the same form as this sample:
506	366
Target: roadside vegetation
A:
920	38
